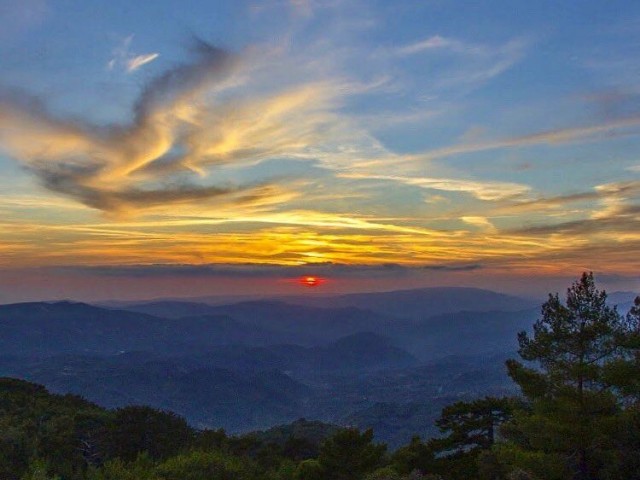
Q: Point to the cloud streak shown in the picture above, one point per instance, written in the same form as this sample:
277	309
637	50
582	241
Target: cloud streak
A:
488	190
140	60
254	270
130	62
603	131
187	120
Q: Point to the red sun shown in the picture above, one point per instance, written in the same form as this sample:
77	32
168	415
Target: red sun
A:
311	281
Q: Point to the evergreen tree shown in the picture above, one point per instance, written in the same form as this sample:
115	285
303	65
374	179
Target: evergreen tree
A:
470	428
472	425
572	405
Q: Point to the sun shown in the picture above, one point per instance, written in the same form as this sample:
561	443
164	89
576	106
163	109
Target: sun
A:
311	281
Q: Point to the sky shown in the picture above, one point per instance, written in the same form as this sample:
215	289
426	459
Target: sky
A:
194	148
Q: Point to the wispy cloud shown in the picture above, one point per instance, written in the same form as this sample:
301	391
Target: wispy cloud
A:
438	42
480	222
137	62
590	133
487	190
185	121
468	65
123	57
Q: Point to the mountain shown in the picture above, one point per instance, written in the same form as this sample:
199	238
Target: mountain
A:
424	302
622	300
363	351
49	328
359	352
170	309
413	303
311	431
298	324
66	327
207	397
236	387
254	364
464	333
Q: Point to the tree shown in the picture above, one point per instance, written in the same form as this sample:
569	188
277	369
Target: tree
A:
470	428
623	373
197	465
137	429
37	470
349	455
473	425
417	455
309	470
563	434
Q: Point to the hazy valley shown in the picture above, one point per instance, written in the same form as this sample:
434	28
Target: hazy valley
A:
388	360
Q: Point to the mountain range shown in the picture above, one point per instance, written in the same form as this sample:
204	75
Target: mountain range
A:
362	359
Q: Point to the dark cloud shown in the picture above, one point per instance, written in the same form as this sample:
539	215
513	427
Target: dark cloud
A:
260	270
454	268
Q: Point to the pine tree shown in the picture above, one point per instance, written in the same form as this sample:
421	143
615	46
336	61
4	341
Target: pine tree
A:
571	402
470	428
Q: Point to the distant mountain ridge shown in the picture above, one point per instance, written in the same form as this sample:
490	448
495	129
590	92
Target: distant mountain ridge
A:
410	303
254	364
427	302
67	327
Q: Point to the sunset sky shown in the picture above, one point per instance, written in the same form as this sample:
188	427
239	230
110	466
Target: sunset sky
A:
200	147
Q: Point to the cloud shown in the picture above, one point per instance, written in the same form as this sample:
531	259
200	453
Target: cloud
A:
454	268
428	44
488	190
186	121
465	64
615	215
546	203
610	196
604	131
481	222
122	57
551	137
255	270
137	62
626	221
95	164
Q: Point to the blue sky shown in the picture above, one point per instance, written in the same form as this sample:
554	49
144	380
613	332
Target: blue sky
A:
463	142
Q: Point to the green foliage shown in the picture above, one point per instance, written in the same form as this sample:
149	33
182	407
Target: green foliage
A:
415	456
470	428
211	439
55	429
197	465
386	473
309	470
579	346
472	425
624	463
38	470
137	429
143	468
349	454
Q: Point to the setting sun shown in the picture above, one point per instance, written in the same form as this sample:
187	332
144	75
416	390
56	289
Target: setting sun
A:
311	281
